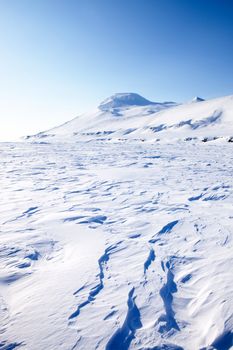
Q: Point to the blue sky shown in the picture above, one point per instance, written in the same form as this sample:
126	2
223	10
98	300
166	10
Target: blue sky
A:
60	58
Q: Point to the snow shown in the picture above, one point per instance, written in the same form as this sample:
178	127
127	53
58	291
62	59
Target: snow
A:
120	100
200	120
197	99
113	243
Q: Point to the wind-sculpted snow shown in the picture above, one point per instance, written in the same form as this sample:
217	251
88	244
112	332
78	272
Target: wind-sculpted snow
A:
224	341
149	260
4	346
123	337
100	285
166	229
116	245
166	293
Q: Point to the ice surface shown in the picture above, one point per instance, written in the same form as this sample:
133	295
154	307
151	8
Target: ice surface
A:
119	244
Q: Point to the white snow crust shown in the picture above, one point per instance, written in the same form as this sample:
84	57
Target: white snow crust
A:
111	243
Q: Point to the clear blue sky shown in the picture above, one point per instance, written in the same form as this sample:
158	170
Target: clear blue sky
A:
60	58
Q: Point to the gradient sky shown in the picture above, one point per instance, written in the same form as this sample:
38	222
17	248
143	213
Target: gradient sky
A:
60	58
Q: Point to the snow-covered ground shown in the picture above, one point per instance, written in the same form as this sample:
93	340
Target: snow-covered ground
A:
119	245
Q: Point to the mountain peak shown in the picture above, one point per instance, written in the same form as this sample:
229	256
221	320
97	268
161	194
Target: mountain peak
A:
125	99
197	99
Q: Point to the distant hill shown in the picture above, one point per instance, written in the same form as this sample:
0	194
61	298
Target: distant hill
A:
129	116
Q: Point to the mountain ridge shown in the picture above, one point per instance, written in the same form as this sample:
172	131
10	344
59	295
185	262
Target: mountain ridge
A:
126	99
129	116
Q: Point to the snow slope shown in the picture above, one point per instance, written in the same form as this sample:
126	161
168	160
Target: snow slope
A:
129	116
109	247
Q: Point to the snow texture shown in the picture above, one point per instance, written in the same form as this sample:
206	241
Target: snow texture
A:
119	244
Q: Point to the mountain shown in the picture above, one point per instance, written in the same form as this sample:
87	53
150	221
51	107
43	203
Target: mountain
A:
122	100
197	99
129	116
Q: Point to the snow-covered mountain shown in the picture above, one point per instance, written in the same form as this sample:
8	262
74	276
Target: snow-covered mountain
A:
197	99
124	100
129	116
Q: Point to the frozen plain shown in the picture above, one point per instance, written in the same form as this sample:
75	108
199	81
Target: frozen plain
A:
116	245
116	230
